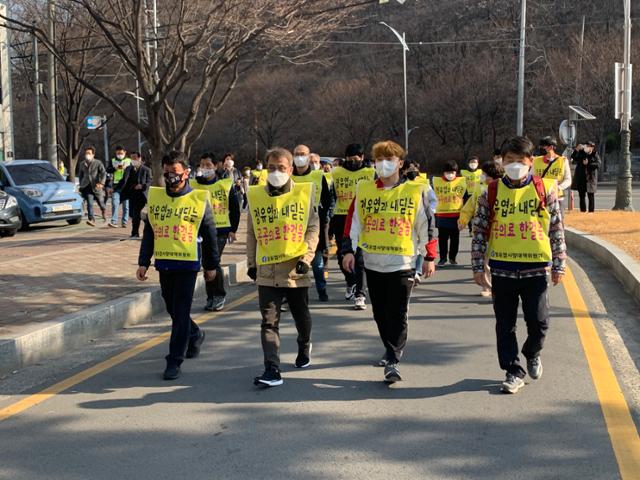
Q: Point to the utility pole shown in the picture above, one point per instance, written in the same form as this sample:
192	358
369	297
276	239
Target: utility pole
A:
36	89
523	37
51	74
580	61
623	189
6	99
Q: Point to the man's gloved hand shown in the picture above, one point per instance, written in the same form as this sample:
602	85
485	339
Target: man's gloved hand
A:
252	273
302	268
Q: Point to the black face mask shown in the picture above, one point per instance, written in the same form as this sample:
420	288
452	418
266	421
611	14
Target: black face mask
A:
173	179
353	164
411	175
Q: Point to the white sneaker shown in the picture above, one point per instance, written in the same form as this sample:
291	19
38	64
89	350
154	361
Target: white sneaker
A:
360	304
350	293
417	279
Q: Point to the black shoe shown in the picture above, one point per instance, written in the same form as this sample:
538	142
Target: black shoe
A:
453	261
391	373
303	360
194	346
383	361
171	372
322	296
209	306
270	378
442	263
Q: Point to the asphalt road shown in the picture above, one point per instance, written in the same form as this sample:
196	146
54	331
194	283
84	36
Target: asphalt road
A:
336	420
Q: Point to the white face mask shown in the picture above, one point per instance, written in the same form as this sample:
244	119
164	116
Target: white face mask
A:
136	163
205	172
88	158
450	176
278	178
315	166
120	156
386	168
301	160
473	165
516	171
258	167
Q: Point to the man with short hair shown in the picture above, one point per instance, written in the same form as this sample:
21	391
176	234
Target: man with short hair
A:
117	168
134	188
92	177
282	236
307	169
345	181
179	256
553	166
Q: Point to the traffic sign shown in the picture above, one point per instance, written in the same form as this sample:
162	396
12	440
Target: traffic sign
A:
568	132
94	122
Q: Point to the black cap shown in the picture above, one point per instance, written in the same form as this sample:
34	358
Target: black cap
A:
548	142
354	149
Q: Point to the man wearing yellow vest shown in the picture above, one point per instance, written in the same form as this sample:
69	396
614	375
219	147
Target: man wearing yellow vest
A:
117	168
553	166
180	234
345	179
226	214
450	191
304	172
472	174
259	175
282	236
518	223
391	221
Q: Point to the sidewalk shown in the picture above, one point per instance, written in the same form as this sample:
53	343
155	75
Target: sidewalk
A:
48	273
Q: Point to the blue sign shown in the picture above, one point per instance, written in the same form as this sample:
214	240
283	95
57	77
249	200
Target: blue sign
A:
94	122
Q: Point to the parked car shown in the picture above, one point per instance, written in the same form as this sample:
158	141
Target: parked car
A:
41	192
9	215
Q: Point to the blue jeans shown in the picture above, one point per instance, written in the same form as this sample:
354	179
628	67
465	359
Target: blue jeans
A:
115	204
419	263
318	272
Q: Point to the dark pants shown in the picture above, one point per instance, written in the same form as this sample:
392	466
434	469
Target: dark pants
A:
89	195
390	294
446	235
177	291
216	288
583	201
137	201
507	293
352	278
270	299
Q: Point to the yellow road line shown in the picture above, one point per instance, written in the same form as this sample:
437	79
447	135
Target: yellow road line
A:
37	398
622	430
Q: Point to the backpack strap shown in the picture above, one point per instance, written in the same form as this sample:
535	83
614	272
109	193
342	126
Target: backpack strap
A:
492	195
538	183
548	167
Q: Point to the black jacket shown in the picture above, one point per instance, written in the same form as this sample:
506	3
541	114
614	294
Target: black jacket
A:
585	177
142	176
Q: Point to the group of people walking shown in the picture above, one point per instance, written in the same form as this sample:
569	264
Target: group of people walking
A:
383	216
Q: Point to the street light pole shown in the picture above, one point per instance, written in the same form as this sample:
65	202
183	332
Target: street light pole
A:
405	49
623	188
36	89
51	74
523	27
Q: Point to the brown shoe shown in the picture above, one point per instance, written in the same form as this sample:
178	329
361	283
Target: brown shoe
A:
91	223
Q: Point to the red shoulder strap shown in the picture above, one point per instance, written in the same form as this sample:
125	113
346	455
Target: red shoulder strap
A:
540	190
492	195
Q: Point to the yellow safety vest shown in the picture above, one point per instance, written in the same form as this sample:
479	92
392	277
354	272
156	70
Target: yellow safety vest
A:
219	196
175	222
555	172
421	179
450	194
119	173
315	177
473	178
388	217
520	229
280	222
260	176
345	182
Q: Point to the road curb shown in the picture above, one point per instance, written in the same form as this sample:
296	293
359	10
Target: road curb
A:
54	338
624	267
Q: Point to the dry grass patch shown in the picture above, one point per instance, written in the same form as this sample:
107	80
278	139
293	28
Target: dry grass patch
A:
619	228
